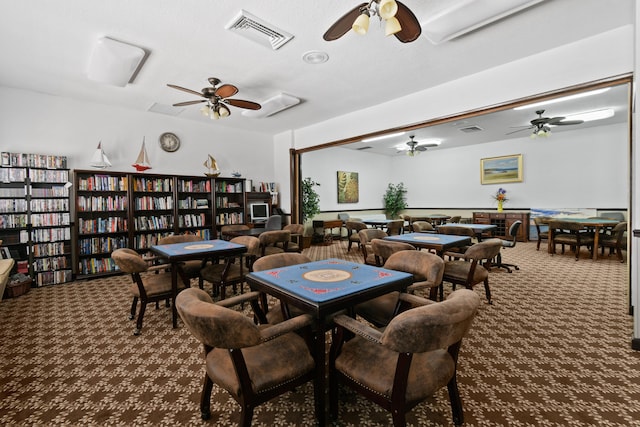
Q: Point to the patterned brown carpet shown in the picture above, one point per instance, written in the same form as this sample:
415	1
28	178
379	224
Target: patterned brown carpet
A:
553	350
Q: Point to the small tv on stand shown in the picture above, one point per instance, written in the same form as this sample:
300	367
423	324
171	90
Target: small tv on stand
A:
259	212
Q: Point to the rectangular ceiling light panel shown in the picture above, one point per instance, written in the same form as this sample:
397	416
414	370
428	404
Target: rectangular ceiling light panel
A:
114	62
463	16
273	105
259	31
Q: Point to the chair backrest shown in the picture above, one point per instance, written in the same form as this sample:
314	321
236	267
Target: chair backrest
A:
355	226
279	260
214	325
179	238
456	230
395	227
294	228
513	230
427	268
344	217
455	219
570	226
129	261
368	234
433	326
619	230
251	242
274	222
419	226
383	249
618	216
485	250
233	227
270	238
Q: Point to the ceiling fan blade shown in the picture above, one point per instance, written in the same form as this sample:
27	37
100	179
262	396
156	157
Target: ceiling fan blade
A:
519	130
343	25
554	120
226	91
182	104
421	148
567	122
411	29
184	89
243	104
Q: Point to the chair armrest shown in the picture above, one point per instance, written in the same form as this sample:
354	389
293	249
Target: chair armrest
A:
289	325
415	300
238	299
456	255
159	267
416	286
358	328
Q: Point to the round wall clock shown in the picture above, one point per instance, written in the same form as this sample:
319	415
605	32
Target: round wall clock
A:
169	142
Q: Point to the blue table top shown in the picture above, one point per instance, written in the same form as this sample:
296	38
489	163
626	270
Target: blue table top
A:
195	248
473	226
328	279
426	238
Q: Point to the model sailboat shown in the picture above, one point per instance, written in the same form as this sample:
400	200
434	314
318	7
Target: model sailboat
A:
142	162
99	159
212	167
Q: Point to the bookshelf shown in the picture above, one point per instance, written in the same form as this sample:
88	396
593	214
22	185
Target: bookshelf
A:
229	206
194	206
35	218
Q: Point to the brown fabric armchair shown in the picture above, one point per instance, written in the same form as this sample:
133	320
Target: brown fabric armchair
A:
427	270
422	227
252	364
383	249
467	269
366	236
542	229
274	242
230	271
616	241
151	288
571	234
395	227
295	239
353	227
415	356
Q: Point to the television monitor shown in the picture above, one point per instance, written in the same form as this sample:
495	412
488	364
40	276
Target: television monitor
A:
259	212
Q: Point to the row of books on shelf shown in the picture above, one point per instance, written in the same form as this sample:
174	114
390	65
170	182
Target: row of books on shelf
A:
101	203
204	233
266	187
101	245
145	241
97	265
230	218
13	191
13	175
33	160
48	205
13	205
194	187
53	263
55	191
13	220
229	187
49	176
50	219
223	202
153	184
50	249
103	183
51	234
160	222
193	203
53	277
153	203
113	224
192	220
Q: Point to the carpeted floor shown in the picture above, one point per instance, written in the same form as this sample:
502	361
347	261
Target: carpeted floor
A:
553	350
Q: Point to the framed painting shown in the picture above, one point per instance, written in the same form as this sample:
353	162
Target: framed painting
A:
497	170
348	191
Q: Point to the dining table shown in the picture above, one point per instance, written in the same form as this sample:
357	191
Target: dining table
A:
597	224
440	243
435	219
323	288
478	229
176	253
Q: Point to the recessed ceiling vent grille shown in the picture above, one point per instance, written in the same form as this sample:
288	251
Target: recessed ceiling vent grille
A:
259	31
471	129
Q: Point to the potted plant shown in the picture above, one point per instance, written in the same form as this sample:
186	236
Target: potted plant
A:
395	200
310	206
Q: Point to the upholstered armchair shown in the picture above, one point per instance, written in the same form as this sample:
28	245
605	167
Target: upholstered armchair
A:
427	270
366	236
353	227
395	227
415	356
230	270
274	242
295	241
422	227
151	288
616	241
230	228
383	249
542	229
571	234
253	364
471	267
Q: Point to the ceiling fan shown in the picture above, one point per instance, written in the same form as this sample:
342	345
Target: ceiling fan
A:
540	125
415	147
399	21
216	96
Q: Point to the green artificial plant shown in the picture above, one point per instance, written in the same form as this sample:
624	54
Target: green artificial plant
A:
310	199
395	200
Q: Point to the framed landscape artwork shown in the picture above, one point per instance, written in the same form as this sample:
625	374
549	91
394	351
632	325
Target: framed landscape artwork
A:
497	170
348	191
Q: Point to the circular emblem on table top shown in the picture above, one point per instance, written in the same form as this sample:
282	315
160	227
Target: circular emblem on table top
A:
426	238
199	246
327	276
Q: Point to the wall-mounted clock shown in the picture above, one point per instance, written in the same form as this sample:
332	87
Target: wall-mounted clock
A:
169	142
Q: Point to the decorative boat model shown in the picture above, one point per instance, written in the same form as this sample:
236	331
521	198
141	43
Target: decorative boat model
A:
142	162
212	167
99	159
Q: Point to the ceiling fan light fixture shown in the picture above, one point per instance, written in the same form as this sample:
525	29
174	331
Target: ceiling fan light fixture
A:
361	24
387	9
224	111
392	26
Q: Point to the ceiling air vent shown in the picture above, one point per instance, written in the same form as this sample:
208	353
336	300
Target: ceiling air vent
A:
471	129
258	30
